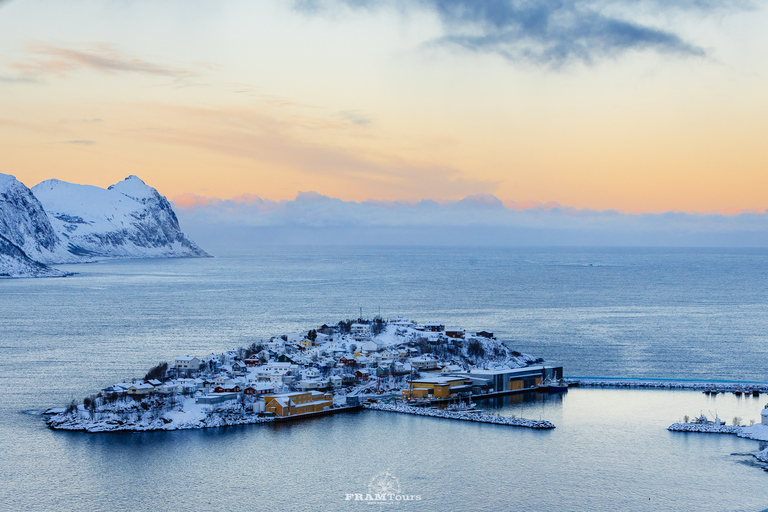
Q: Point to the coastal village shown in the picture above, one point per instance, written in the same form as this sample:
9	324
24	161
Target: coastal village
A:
332	368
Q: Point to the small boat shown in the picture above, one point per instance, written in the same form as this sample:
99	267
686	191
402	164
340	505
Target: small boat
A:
755	392
461	407
737	392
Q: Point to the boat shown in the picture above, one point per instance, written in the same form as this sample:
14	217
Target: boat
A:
737	392
557	386
461	407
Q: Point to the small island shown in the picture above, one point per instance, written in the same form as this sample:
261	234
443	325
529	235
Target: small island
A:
392	365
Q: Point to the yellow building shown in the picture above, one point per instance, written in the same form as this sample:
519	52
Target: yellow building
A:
436	387
291	404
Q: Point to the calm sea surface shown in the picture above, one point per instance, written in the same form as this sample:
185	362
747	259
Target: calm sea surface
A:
629	313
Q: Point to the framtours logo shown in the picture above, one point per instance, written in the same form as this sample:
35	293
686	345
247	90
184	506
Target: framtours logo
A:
384	488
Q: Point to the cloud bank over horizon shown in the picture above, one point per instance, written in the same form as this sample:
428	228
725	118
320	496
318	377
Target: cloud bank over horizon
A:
244	222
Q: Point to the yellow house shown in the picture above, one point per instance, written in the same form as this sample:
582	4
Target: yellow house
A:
305	343
438	387
300	402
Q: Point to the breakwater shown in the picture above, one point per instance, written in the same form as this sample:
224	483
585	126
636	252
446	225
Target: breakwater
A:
463	416
720	387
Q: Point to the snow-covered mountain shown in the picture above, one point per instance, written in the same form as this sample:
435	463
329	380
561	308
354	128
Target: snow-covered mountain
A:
15	263
59	222
127	220
24	223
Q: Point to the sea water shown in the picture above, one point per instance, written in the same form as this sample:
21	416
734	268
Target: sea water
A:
625	313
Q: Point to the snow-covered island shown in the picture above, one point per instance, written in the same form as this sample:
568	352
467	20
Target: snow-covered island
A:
321	371
702	424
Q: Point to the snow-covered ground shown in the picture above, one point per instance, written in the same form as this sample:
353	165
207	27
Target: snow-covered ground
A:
187	415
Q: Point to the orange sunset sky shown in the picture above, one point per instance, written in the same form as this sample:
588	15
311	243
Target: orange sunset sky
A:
639	106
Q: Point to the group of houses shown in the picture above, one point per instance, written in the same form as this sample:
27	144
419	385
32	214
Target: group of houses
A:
298	373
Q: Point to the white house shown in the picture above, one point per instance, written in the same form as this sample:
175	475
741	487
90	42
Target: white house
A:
187	363
308	384
360	331
451	369
369	346
423	362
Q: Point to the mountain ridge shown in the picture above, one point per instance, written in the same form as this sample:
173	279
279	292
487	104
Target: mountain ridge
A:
57	222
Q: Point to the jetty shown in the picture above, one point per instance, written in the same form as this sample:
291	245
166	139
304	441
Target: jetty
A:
754	388
461	415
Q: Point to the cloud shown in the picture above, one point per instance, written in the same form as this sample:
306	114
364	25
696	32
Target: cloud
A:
550	32
355	117
16	79
312	218
47	59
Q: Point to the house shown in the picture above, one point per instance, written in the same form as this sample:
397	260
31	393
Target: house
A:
362	375
140	389
239	367
187	363
309	384
216	399
360	331
484	334
454	332
301	402
222	389
423	362
438	387
259	389
170	388
252	361
434	327
451	369
346	361
312	373
369	346
336	381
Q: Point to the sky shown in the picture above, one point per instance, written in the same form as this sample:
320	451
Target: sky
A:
632	106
